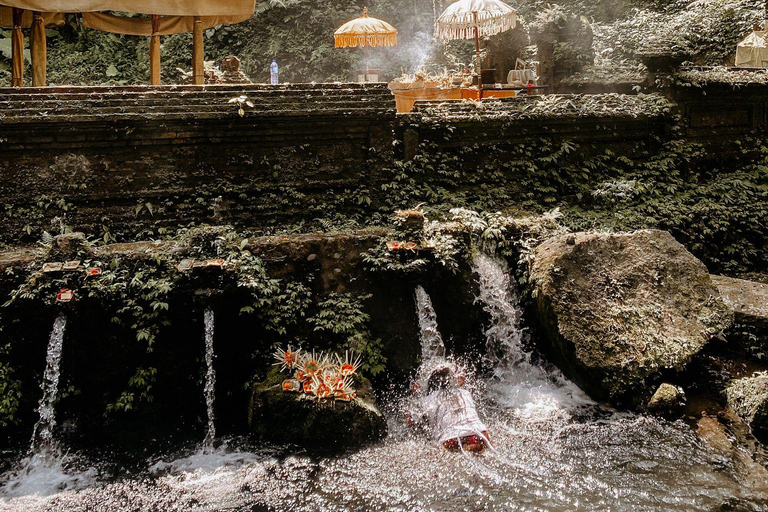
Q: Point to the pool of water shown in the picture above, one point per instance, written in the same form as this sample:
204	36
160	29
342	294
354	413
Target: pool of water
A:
554	450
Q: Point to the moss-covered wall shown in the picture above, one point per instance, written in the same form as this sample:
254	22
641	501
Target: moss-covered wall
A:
124	164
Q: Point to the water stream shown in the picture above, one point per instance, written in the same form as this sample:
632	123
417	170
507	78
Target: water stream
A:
556	450
42	437
210	377
431	341
45	469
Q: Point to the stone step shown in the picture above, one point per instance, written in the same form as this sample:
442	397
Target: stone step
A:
186	114
339	104
132	102
47	91
201	95
51	106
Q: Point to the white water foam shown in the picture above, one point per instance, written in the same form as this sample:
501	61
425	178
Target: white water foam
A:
46	473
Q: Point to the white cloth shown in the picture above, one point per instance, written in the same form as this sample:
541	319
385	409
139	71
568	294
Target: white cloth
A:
452	414
752	51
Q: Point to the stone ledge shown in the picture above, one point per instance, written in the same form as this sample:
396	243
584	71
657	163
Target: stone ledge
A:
748	299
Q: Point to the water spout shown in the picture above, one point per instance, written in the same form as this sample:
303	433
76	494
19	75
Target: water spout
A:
432	347
42	437
210	377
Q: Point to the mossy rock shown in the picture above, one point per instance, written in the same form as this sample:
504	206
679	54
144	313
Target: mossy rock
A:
748	397
285	417
668	400
623	310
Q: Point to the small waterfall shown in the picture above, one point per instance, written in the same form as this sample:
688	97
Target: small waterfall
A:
519	382
431	342
210	377
46	470
42	437
498	293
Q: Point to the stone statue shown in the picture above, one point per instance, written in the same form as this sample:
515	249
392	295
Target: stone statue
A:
231	74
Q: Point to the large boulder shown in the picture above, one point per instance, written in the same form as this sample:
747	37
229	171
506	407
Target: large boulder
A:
748	397
286	417
623	310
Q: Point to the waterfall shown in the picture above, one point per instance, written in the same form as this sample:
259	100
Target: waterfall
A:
504	338
42	437
210	377
431	342
518	381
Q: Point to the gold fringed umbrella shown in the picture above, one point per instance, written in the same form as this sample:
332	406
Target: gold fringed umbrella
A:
473	19
365	31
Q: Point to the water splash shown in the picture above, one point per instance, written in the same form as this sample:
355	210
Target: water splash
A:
42	437
432	347
535	391
210	377
578	462
46	470
505	336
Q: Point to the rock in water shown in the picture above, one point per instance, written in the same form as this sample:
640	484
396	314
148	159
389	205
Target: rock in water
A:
287	417
621	309
667	400
748	397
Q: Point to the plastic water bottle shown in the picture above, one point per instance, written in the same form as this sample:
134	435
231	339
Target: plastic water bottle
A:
273	73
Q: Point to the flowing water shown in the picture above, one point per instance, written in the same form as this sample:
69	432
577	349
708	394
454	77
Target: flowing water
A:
45	469
210	377
555	450
431	341
42	437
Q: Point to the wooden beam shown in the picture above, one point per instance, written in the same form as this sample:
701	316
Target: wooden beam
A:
154	52
39	51
17	50
198	54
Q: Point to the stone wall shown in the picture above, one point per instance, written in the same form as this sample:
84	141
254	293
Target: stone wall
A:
127	161
104	153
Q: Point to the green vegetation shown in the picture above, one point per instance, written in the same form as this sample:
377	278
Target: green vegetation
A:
10	393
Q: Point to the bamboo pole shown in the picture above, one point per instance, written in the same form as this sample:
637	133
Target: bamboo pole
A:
17	49
477	56
154	52
39	51
367	62
198	53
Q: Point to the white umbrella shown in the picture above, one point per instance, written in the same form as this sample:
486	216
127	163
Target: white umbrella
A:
468	19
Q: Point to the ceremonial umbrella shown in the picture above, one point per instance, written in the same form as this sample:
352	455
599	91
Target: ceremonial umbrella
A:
365	31
467	19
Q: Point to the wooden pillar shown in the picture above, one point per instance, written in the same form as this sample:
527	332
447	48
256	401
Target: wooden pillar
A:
154	52
17	50
198	54
39	51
